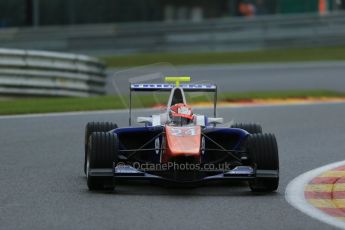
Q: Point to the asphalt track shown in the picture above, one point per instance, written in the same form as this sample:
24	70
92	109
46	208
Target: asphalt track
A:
240	77
42	185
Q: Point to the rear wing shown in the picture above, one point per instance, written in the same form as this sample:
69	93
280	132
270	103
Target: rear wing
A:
167	87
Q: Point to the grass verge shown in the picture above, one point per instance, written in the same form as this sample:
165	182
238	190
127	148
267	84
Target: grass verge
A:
44	105
273	55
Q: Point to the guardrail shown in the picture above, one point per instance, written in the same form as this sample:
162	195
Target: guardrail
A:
41	73
208	35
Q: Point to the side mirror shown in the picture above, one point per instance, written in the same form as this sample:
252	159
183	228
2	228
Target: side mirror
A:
144	120
155	120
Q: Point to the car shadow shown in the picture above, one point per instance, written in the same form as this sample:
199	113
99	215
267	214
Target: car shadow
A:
142	188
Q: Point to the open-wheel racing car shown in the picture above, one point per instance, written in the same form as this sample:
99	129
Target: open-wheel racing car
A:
180	147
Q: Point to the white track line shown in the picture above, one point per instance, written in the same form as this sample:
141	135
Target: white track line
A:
294	195
39	115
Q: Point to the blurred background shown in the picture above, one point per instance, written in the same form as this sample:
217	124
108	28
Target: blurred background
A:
112	27
286	45
23	13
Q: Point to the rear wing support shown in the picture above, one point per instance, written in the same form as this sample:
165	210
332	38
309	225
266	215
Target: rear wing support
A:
165	87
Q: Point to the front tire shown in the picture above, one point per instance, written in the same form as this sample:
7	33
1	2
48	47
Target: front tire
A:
102	154
263	151
92	127
250	127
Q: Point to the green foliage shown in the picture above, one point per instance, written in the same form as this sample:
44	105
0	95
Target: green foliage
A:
273	55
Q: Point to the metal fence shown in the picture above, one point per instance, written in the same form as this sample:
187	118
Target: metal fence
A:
226	34
40	73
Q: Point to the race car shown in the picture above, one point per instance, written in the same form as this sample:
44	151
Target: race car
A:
178	146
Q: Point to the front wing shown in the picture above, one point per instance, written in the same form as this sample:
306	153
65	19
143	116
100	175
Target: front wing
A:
126	173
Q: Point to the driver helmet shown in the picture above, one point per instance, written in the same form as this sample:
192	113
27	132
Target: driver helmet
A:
181	114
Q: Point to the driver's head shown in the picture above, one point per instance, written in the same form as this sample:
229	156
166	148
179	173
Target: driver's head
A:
181	114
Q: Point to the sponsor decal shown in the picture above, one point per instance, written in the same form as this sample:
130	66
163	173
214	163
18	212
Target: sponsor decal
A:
157	146
170	86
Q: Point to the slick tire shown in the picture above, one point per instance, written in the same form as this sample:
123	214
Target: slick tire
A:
95	127
250	128
102	154
263	152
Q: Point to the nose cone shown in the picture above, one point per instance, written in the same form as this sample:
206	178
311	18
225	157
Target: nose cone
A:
183	141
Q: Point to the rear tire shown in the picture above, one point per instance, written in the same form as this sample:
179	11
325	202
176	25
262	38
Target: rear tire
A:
250	127
92	127
102	154
263	151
